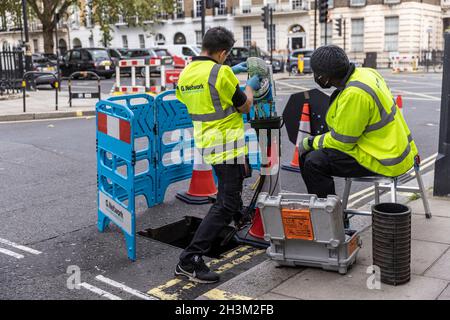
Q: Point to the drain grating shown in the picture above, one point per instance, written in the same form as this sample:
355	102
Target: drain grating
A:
180	234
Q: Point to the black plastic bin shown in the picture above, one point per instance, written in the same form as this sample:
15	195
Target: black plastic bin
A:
391	242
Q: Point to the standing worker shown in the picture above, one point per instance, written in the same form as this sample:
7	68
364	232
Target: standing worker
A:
211	92
367	135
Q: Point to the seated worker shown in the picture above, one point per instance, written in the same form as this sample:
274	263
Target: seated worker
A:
215	102
367	134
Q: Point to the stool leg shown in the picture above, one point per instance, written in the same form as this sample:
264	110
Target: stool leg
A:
377	193
394	191
346	195
426	205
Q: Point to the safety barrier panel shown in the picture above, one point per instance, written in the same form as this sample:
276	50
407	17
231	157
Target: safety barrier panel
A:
405	63
144	144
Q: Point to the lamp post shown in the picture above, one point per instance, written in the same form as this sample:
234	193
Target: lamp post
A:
57	17
429	31
27	37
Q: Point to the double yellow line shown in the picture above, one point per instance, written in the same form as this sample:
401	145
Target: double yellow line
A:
168	291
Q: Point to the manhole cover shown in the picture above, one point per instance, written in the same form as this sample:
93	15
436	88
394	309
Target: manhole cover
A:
180	234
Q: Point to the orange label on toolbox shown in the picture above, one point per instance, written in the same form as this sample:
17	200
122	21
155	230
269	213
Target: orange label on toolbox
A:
352	245
297	224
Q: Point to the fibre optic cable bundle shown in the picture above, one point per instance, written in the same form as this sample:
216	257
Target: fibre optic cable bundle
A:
257	66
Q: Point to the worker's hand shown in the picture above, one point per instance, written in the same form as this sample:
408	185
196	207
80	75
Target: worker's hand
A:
241	67
304	146
254	82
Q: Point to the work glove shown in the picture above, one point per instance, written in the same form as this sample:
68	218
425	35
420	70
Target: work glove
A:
304	146
241	67
254	82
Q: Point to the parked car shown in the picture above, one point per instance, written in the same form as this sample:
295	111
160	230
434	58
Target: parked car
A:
277	60
182	53
292	64
40	63
117	54
147	55
240	54
51	56
88	59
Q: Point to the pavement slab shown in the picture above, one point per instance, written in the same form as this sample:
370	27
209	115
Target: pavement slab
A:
314	284
441	269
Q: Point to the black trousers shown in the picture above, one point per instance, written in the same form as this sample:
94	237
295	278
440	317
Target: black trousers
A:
319	166
228	206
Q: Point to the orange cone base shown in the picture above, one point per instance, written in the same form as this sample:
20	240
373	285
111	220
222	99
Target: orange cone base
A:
202	189
288	167
185	197
257	229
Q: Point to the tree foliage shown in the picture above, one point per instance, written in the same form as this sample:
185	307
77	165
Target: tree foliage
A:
104	13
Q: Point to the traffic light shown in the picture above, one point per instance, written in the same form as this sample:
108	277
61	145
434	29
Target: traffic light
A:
212	4
338	25
265	16
323	11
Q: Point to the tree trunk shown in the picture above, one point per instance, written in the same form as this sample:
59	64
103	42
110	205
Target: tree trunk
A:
49	44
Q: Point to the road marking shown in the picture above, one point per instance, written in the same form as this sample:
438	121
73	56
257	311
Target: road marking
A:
416	94
160	290
124	288
291	85
11	253
217	294
18	246
99	291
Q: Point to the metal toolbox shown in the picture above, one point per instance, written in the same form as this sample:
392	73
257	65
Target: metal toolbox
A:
305	230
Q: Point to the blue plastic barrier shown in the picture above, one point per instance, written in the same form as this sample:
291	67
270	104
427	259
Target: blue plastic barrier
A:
124	123
172	118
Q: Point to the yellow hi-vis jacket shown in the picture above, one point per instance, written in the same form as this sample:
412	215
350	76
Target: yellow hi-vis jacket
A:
365	123
207	88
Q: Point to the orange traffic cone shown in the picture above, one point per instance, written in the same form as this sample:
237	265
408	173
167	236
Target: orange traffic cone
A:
399	102
257	229
201	187
303	130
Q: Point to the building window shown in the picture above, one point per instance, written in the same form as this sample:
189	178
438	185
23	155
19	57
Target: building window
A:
36	45
274	38
198	38
296	4
198	8
222	9
141	41
329	33
125	42
160	39
271	3
357	35
246	6
247	35
391	34
179	9
179	38
357	3
330	4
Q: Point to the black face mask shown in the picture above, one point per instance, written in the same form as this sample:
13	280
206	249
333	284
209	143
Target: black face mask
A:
321	83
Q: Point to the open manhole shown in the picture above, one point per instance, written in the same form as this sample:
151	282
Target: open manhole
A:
180	234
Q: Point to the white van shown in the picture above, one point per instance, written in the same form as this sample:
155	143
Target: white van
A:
184	51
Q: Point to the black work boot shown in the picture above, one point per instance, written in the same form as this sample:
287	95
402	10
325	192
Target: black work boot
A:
196	270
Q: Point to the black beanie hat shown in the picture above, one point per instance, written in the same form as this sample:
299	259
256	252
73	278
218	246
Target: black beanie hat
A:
330	61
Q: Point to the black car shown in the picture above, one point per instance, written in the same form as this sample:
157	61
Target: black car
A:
240	54
116	55
40	63
96	60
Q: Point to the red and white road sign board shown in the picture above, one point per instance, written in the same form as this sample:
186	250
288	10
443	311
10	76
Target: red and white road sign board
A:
114	127
172	76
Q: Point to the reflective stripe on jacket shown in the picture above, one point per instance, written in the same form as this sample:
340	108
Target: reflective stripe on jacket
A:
364	122
207	89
